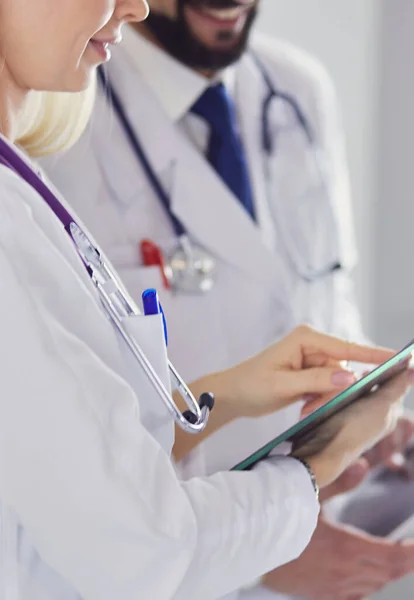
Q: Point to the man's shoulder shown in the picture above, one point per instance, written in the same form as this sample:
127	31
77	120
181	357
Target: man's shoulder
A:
291	68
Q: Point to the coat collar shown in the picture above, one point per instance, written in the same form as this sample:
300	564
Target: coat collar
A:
199	198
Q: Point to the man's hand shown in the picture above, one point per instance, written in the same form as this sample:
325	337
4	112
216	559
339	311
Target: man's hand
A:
342	563
390	451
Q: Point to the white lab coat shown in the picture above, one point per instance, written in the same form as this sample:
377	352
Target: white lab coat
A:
90	503
260	293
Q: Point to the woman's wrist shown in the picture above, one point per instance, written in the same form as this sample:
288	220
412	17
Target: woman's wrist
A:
311	473
324	468
222	413
225	408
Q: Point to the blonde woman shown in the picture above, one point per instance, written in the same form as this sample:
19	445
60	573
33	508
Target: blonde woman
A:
90	504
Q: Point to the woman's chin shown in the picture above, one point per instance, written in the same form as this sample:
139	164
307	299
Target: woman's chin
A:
80	81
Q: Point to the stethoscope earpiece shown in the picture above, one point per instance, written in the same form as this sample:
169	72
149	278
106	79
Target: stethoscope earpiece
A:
206	401
191	268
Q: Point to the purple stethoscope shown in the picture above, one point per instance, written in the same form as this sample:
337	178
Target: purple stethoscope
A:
116	302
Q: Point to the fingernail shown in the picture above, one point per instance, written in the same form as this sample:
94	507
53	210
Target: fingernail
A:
398	460
343	378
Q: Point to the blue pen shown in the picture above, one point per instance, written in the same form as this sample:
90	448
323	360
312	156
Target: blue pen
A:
152	306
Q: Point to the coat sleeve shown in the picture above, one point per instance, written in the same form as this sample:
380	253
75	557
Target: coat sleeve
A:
98	497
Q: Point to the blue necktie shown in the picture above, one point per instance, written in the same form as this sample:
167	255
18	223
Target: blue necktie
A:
225	150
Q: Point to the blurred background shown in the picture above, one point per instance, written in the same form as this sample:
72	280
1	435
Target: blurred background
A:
368	48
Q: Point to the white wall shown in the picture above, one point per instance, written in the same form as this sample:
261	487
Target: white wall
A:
394	285
368	47
344	35
395	218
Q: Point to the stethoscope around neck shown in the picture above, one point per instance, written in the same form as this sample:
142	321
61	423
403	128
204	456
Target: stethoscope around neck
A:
307	272
117	303
190	268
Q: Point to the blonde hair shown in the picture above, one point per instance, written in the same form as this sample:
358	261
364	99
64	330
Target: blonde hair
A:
53	121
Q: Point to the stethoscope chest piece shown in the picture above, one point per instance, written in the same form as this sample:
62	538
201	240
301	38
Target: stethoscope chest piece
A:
190	268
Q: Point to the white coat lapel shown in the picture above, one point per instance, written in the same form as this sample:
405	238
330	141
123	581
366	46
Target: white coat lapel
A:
250	93
215	218
207	208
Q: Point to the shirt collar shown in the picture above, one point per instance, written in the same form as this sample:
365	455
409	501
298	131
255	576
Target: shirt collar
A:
175	85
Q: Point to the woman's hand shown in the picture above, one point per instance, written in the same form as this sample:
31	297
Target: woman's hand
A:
349	434
303	363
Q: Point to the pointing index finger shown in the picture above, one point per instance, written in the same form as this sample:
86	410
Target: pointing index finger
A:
350	351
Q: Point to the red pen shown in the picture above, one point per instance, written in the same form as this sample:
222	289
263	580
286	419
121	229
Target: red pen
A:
151	255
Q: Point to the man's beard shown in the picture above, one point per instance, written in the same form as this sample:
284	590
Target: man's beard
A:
176	37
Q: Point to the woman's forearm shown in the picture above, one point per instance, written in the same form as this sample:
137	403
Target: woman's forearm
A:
304	362
221	414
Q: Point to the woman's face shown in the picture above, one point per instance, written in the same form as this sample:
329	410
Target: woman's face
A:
55	45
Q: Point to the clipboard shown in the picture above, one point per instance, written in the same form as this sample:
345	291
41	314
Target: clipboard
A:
369	383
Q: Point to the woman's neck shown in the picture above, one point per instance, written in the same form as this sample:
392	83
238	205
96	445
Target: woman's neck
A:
12	98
